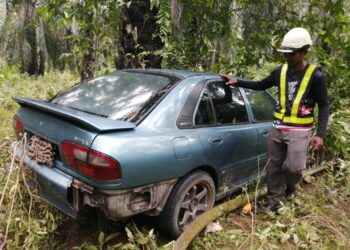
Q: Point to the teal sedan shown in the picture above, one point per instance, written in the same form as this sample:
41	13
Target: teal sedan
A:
166	143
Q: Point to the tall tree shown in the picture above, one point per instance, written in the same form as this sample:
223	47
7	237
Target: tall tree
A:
139	39
27	40
3	13
195	33
20	39
92	30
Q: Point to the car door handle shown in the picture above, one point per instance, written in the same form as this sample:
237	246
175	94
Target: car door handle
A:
264	132
215	140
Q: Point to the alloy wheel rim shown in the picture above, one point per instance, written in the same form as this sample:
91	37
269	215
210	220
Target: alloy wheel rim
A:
197	200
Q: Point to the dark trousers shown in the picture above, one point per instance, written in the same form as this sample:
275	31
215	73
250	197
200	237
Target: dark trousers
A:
287	158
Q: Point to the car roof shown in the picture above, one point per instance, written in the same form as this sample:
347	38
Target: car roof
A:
179	73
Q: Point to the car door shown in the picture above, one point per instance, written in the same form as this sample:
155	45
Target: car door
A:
261	105
228	139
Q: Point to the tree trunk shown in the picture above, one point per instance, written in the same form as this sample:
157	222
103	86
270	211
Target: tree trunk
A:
31	37
88	66
32	67
87	72
41	69
3	13
138	35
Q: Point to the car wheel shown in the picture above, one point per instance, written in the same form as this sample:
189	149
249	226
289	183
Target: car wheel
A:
191	196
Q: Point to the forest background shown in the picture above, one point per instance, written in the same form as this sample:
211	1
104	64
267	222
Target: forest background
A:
48	45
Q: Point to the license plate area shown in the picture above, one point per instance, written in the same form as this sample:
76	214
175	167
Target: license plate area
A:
41	151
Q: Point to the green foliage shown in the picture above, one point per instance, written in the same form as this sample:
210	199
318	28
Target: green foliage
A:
14	43
26	220
316	219
91	28
7	71
103	241
193	40
28	41
228	37
138	239
13	84
338	136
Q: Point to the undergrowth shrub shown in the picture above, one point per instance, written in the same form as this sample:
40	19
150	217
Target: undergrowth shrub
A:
25	220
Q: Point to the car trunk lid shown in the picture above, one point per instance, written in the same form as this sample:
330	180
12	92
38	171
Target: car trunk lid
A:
55	124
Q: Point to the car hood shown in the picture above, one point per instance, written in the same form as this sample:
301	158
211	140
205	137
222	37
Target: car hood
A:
91	122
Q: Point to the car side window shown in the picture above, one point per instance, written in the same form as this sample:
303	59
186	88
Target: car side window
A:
228	104
205	113
262	105
239	108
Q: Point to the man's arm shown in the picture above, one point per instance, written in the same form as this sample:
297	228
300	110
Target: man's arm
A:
319	93
254	85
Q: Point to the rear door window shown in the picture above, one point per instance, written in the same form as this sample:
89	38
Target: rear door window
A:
221	105
205	113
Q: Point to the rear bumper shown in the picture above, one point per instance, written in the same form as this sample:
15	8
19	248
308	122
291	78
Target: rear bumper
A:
119	204
70	195
51	184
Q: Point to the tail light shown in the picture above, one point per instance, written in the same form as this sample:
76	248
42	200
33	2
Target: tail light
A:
18	126
91	163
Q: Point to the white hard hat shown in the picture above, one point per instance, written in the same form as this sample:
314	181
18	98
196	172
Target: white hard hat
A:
295	39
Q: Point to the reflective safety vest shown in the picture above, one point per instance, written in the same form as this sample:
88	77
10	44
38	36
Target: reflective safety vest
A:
292	115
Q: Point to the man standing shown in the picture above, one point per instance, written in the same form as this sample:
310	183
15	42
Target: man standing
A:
300	86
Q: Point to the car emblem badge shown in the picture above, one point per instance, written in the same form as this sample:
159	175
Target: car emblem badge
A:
81	141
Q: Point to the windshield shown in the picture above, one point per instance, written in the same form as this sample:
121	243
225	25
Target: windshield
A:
119	96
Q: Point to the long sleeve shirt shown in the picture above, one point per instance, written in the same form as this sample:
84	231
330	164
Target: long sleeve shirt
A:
317	92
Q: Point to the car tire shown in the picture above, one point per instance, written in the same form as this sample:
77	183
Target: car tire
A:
191	196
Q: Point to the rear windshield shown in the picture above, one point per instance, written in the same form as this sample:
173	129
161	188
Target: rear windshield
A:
121	96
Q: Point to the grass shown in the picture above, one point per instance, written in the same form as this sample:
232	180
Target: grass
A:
318	218
25	221
22	85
